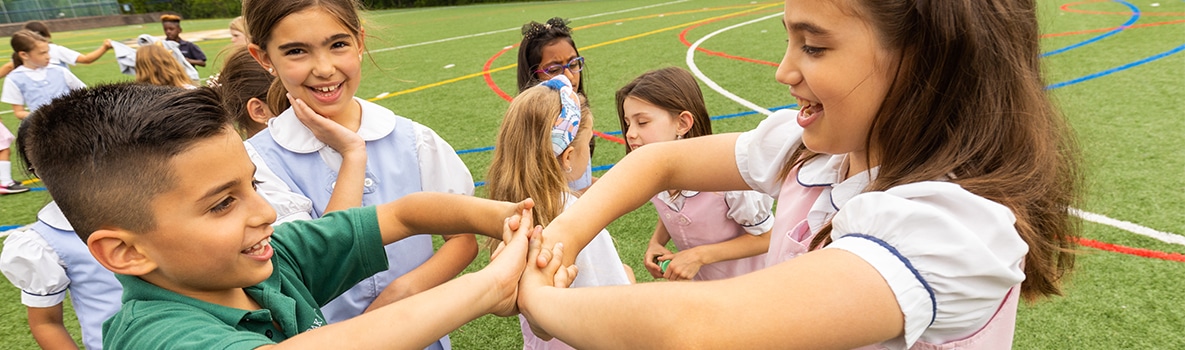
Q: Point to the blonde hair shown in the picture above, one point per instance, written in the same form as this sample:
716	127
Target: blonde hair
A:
170	18
239	24
524	165
156	65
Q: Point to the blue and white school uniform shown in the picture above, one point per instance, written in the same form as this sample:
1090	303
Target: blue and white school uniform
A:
299	172
951	257
47	259
62	56
34	88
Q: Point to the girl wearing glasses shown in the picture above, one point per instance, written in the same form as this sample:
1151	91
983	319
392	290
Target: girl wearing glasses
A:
547	51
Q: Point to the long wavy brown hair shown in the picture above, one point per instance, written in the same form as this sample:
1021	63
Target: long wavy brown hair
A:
969	101
155	65
524	165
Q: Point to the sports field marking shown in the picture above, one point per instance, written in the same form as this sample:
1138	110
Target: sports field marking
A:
593	46
711	83
1135	16
1070	8
1092	217
518	28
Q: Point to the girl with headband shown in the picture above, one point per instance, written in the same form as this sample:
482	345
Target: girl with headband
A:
541	146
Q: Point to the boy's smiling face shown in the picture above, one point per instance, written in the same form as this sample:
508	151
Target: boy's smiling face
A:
213	231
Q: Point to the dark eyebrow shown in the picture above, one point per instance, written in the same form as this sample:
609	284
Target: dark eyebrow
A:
219	189
327	41
809	28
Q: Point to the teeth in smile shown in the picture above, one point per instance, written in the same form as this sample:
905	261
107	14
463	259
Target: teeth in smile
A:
258	247
327	88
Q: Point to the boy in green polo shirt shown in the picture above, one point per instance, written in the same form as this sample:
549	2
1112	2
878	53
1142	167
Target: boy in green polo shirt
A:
158	184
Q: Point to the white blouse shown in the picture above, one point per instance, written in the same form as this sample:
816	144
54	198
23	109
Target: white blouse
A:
33	266
949	255
441	170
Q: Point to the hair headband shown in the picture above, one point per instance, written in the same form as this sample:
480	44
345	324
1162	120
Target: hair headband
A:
563	131
534	29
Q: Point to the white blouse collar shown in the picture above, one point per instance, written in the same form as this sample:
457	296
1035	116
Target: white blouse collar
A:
52	215
828	171
377	122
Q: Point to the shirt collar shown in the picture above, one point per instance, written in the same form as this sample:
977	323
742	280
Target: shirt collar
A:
52	215
827	172
377	122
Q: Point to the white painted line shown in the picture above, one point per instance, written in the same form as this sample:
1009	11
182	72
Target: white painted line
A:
1166	237
514	29
712	84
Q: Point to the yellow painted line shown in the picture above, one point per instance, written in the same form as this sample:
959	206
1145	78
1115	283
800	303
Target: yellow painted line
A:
30	181
593	46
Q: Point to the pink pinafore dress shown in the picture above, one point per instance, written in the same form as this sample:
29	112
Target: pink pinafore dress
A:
704	220
791	234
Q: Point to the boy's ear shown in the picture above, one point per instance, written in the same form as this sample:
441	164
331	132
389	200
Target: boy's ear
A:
115	250
24	55
685	122
259	111
260	56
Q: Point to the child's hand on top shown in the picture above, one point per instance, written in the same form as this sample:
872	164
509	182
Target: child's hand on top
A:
107	44
654	253
508	261
326	130
535	278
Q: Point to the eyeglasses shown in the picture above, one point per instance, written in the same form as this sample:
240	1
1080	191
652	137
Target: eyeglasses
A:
575	66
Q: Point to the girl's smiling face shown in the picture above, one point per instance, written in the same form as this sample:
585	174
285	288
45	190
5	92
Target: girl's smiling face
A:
839	72
319	61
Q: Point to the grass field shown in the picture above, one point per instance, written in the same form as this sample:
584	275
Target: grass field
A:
1121	87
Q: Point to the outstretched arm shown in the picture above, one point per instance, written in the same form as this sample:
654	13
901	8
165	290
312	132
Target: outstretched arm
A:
828	299
94	55
440	310
699	164
443	213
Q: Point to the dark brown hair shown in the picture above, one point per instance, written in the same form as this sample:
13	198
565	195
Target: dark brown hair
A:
536	36
38	27
968	101
24	41
241	79
673	89
103	152
263	15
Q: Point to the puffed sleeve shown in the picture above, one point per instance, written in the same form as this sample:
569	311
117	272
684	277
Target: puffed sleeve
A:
762	152
752	209
289	206
441	170
949	256
31	265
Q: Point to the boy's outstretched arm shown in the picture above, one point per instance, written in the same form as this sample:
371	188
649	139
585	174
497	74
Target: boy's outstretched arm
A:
443	213
437	311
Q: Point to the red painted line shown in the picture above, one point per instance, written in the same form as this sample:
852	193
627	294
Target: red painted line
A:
1131	251
608	137
1069	8
683	39
1051	35
490	80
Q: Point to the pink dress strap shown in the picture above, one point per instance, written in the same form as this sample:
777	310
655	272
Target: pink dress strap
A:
791	234
704	220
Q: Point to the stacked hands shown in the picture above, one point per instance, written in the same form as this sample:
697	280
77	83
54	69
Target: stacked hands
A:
515	278
508	272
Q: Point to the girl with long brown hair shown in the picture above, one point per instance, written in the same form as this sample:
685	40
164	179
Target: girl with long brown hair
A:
931	173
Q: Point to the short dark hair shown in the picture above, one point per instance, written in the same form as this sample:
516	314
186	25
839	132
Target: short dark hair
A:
103	152
38	27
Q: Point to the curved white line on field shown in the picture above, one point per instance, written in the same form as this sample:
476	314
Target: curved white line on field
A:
712	84
518	28
1166	237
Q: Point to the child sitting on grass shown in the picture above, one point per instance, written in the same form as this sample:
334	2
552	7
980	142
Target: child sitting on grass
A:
159	185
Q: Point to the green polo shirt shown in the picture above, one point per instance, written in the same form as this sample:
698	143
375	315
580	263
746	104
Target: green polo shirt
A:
314	262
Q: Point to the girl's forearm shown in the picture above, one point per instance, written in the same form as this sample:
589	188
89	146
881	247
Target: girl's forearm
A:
351	177
743	246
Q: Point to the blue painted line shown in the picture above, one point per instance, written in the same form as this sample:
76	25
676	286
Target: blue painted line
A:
1178	49
9	227
476	150
1130	21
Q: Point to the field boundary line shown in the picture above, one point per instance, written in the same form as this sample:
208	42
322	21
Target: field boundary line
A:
711	83
437	41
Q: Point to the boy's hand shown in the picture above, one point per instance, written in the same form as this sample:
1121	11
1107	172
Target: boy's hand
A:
326	130
517	209
535	278
508	261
